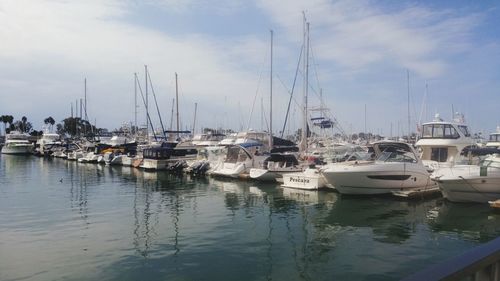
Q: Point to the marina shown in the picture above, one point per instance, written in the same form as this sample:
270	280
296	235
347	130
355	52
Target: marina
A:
249	140
64	220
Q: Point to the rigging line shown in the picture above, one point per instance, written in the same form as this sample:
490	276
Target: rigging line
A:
315	66
256	92
156	103
293	88
144	101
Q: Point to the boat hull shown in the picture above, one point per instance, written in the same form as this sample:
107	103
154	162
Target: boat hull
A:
17	149
378	178
310	179
466	184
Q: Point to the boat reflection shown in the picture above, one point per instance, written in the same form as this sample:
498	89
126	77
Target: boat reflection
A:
309	196
391	221
474	222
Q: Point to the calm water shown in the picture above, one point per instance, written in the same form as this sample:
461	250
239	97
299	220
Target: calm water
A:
66	221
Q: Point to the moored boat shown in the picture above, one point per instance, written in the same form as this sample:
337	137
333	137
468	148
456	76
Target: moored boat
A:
470	183
396	168
17	143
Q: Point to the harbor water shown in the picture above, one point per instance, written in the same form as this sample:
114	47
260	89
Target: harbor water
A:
62	220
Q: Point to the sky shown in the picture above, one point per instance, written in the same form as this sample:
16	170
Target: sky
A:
444	55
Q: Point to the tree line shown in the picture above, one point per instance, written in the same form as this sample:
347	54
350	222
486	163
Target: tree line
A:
70	126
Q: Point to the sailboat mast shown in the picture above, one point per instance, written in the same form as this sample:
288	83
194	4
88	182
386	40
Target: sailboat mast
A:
147	103
177	102
135	102
409	123
85	93
194	119
306	84
172	115
271	97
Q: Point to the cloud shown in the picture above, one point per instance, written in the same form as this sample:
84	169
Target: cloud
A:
58	43
357	34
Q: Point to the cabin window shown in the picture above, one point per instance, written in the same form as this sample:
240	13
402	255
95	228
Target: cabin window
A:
440	131
427	131
494	138
439	154
450	132
464	130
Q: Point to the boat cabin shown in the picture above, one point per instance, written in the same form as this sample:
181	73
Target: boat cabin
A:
494	140
443	141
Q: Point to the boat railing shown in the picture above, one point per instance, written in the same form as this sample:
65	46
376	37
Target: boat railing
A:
477	264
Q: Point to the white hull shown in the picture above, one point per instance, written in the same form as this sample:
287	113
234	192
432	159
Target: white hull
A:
270	175
378	178
17	149
471	190
310	179
466	184
231	170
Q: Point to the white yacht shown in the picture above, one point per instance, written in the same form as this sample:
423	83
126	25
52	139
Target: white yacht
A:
275	166
17	143
240	159
470	183
48	143
396	168
209	158
441	143
249	151
310	179
494	140
210	139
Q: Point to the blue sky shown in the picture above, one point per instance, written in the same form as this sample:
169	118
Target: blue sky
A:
361	51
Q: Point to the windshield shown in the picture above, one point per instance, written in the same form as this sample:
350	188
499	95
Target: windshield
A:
397	155
442	131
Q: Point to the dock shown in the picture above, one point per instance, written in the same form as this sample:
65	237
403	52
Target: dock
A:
418	193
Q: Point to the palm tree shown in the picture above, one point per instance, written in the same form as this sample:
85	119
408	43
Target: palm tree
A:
2	119
8	119
49	120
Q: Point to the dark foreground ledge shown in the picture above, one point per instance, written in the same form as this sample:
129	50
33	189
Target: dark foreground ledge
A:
478	264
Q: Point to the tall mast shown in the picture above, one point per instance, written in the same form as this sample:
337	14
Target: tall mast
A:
172	115
177	103
135	102
194	120
409	125
303	144
271	97
147	104
85	105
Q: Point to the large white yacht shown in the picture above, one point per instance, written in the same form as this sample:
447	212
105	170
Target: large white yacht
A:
397	168
48	143
240	159
17	143
441	142
494	140
471	183
249	151
275	166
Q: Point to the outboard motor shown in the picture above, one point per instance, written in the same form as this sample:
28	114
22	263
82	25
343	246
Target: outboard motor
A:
202	168
178	166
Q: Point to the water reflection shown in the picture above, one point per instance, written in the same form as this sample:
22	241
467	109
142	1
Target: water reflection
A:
475	222
391	221
310	196
134	225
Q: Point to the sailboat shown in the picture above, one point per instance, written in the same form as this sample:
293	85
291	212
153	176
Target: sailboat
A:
310	178
276	164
